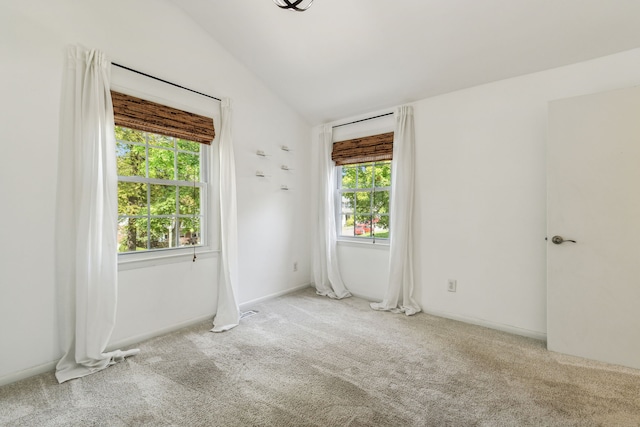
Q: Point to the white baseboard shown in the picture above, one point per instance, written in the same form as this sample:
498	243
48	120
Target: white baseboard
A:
127	342
364	297
246	305
542	336
143	337
30	372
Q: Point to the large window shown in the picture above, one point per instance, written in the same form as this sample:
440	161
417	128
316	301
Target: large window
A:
161	191
364	186
364	196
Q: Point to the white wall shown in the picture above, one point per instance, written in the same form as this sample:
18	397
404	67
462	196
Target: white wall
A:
481	196
156	37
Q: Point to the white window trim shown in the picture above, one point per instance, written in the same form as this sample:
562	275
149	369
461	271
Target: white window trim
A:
208	193
135	260
358	242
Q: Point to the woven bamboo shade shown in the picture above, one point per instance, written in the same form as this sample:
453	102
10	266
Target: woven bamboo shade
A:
360	150
139	114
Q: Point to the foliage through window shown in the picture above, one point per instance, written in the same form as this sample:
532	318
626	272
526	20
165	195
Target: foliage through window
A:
161	191
364	192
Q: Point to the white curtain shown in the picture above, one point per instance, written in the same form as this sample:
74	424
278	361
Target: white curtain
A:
399	294
228	312
326	274
87	217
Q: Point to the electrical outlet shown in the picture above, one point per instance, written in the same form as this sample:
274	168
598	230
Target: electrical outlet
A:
295	266
452	284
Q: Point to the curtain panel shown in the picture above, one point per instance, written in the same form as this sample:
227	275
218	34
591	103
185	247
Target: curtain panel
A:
399	293
228	312
326	275
86	217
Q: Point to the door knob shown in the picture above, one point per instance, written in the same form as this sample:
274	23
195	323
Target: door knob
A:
558	240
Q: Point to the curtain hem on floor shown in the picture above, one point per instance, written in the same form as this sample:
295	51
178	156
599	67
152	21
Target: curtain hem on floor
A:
326	273
227	313
86	217
399	294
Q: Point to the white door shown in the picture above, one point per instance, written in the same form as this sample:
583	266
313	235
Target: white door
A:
593	197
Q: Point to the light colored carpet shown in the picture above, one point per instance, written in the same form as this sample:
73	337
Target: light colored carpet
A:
305	360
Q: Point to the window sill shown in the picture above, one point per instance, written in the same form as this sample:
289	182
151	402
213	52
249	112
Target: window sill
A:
133	261
361	243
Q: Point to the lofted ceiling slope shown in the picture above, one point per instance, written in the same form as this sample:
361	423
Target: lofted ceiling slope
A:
347	57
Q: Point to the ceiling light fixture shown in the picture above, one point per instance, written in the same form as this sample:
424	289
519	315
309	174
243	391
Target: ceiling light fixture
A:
297	5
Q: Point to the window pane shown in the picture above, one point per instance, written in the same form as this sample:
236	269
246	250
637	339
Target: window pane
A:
130	159
161	164
362	226
126	134
188	146
132	198
189	201
348	202
188	167
162	233
190	231
383	174
381	202
346	225
149	156
348	177
365	210
163	199
381	226
363	202
132	234
160	140
365	175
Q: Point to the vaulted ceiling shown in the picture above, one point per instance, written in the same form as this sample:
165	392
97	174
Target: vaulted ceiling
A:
346	57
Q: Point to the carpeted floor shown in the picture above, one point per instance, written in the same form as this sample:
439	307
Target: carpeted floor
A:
305	360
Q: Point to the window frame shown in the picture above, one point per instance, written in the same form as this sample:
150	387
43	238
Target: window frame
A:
339	206
205	235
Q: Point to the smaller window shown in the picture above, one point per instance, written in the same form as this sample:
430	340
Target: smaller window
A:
363	192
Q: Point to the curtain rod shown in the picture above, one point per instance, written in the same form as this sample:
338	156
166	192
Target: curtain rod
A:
362	120
165	81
